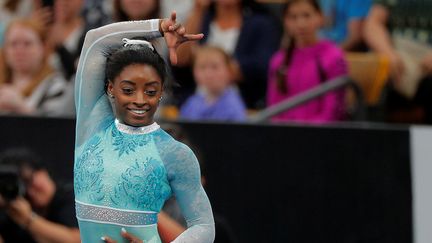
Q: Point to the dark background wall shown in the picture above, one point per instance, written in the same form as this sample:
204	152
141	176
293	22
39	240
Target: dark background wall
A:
279	183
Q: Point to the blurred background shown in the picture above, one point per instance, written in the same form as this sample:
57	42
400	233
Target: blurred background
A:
311	119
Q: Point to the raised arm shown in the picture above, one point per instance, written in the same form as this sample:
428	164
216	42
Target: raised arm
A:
93	108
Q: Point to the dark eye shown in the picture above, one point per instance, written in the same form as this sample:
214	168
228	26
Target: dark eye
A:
150	92
127	91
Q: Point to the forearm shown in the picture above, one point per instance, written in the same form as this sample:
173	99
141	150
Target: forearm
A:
45	231
375	31
354	37
200	233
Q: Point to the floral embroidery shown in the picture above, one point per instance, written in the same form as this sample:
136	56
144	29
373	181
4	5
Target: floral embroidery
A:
142	186
125	143
88	170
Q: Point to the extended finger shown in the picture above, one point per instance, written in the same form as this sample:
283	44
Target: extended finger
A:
106	239
173	16
192	37
130	237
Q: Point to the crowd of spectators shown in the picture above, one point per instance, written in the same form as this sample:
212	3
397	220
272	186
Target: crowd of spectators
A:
250	58
267	59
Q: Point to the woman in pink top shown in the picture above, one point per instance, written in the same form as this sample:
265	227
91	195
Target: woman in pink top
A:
305	63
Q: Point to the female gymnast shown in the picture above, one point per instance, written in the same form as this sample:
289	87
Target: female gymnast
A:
126	166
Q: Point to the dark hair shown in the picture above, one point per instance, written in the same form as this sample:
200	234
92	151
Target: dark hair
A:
120	14
282	70
118	59
21	157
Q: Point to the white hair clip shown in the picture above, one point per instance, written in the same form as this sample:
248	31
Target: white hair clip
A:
128	42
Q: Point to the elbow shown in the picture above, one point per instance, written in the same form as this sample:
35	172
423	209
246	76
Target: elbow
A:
212	233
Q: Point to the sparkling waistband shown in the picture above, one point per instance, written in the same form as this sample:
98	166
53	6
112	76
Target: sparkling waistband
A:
100	214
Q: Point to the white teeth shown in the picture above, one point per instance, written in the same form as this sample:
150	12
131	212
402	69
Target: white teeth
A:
139	112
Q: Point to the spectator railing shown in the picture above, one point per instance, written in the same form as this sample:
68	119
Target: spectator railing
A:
316	92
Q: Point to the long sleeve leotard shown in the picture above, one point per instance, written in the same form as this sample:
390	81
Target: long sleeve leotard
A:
124	174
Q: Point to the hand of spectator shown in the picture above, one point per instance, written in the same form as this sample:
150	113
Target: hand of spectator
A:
11	99
427	64
20	211
397	67
42	16
57	33
128	236
175	35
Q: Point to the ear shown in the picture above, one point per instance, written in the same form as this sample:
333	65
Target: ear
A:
110	87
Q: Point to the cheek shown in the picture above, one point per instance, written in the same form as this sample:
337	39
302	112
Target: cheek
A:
199	75
38	53
289	25
317	22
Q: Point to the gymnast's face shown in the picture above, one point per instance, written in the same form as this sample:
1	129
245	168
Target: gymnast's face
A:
137	91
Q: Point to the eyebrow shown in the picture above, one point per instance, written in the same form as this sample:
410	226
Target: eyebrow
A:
128	81
146	84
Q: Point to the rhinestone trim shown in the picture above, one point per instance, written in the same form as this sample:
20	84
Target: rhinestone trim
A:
94	213
136	130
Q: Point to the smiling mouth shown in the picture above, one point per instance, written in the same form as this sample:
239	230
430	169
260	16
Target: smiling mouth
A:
139	111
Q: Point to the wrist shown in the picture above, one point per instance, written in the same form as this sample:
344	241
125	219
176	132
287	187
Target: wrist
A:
30	220
160	27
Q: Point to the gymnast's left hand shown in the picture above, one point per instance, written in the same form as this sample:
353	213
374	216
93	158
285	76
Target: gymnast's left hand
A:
175	35
128	236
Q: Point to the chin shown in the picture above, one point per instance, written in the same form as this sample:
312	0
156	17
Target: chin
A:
138	122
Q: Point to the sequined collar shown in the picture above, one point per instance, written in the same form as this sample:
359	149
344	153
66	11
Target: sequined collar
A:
136	130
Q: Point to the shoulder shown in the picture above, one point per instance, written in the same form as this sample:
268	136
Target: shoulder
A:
176	156
167	145
330	51
278	57
234	97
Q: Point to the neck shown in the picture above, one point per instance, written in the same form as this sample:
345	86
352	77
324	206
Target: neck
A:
305	42
20	79
228	13
135	130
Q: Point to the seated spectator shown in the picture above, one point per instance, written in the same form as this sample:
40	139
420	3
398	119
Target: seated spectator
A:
306	62
245	33
67	29
28	84
215	98
97	12
344	22
407	42
11	9
46	213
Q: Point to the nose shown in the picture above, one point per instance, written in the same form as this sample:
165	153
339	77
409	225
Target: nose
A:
140	99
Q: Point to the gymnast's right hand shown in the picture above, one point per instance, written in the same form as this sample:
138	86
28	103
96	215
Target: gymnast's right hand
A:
128	236
175	34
